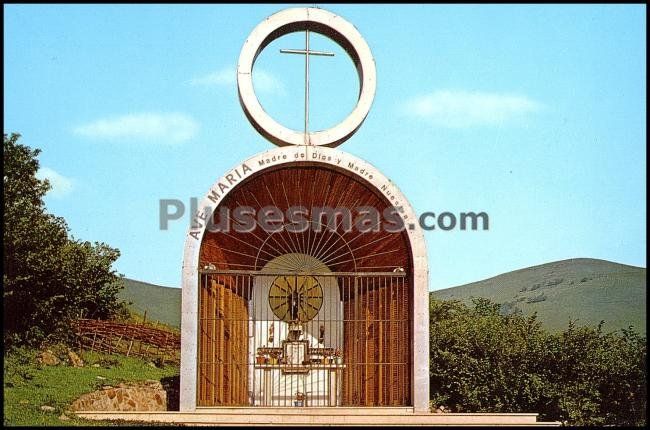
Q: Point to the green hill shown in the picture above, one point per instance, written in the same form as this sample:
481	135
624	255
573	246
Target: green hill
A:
161	303
583	289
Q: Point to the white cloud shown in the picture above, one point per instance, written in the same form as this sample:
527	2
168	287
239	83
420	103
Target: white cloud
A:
164	128
223	77
227	77
266	82
61	186
456	109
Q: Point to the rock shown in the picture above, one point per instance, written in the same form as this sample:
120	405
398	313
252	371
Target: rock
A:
64	417
96	365
75	359
146	396
46	408
48	358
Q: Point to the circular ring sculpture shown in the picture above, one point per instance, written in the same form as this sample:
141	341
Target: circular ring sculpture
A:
329	25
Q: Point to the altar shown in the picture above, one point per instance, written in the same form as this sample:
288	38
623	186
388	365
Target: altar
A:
331	385
297	339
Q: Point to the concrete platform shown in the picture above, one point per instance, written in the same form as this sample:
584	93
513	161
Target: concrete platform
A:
321	417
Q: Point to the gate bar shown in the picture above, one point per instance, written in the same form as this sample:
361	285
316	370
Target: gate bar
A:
289	273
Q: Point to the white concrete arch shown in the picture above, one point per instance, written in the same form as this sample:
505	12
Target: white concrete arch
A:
328	157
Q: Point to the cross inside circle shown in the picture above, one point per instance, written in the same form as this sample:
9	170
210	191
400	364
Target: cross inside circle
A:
308	20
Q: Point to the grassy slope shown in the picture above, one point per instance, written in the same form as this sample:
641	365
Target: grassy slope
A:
161	303
28	385
585	289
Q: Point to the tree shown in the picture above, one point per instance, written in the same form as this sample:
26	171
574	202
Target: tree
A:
49	279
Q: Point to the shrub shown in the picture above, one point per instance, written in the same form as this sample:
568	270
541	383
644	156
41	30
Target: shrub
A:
539	298
554	282
483	361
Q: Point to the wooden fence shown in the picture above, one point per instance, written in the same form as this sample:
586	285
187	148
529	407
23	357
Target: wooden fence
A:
128	339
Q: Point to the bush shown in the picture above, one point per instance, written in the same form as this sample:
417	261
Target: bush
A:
483	361
538	298
554	282
19	367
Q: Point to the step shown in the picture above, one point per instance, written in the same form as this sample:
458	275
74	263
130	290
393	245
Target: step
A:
305	418
312	410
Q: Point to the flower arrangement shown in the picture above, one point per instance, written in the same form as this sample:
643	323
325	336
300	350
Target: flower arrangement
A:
338	356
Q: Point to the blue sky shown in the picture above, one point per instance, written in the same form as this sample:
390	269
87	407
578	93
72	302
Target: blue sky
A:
533	114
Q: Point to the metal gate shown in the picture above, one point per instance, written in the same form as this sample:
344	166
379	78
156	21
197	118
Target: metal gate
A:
273	338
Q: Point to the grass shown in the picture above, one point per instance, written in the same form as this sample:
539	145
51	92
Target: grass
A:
29	385
583	289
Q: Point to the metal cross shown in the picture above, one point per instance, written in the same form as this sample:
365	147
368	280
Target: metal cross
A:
306	52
